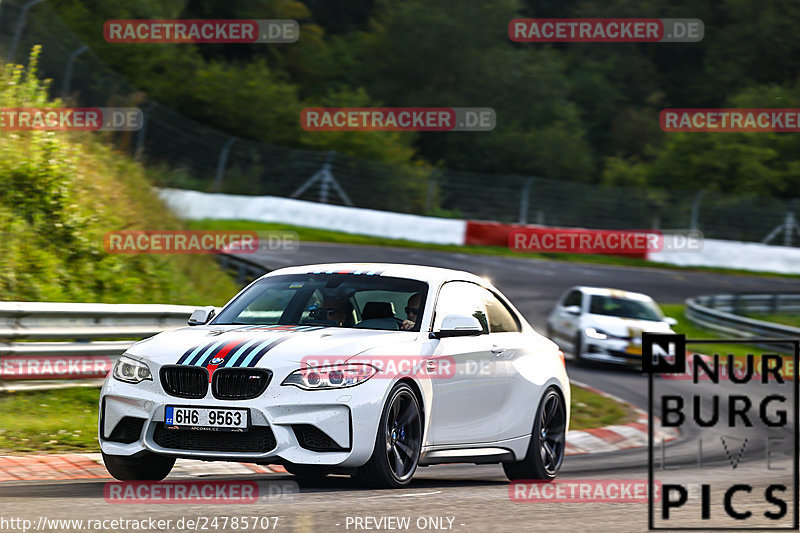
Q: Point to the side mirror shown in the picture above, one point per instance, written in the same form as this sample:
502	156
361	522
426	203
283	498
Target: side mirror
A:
458	326
201	316
669	320
573	309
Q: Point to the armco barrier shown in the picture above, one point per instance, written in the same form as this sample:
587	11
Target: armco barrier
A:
47	340
720	313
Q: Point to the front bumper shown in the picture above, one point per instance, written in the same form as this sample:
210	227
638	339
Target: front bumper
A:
619	351
350	417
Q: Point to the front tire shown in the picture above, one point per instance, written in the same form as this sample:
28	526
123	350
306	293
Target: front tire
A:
145	466
546	448
398	443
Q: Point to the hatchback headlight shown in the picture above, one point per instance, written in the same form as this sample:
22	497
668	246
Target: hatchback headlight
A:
131	371
330	376
599	334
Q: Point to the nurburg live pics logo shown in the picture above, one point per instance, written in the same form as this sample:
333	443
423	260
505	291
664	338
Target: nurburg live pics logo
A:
750	415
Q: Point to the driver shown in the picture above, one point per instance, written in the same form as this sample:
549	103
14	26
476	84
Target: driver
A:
412	312
334	311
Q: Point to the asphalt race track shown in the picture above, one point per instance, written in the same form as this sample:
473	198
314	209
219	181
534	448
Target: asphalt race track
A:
472	498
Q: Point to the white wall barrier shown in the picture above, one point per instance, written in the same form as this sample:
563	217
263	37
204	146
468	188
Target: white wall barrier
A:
198	205
734	254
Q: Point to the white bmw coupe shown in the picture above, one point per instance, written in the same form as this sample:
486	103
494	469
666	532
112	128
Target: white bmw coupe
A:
364	369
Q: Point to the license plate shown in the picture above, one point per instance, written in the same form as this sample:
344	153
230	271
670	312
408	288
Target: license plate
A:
206	418
634	350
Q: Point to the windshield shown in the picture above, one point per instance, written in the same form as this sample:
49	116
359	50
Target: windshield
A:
334	300
624	308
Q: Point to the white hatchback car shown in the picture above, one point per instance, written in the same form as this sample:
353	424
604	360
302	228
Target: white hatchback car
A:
605	324
364	369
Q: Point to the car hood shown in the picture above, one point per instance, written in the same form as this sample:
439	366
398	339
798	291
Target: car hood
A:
625	327
265	345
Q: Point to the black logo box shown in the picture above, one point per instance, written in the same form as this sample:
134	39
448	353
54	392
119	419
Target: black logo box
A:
651	365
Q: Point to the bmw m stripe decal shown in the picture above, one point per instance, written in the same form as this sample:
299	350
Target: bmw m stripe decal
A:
238	352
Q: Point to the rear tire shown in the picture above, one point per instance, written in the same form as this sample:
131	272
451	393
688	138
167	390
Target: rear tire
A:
146	466
546	448
398	443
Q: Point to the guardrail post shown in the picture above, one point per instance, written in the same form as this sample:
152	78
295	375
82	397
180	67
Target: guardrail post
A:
735	304
776	303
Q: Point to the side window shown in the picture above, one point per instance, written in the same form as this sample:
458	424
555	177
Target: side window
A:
574	298
501	319
460	298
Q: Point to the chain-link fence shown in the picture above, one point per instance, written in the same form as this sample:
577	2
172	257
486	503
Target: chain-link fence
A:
193	156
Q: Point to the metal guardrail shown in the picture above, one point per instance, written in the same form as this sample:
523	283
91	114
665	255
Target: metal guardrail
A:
73	341
69	341
723	313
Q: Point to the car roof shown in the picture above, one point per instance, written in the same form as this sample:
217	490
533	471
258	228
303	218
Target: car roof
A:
432	275
616	293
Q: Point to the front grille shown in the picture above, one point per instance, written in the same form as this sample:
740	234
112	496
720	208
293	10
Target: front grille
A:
258	439
127	430
240	383
314	439
185	381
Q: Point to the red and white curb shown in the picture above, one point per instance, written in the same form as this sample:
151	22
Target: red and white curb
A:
618	437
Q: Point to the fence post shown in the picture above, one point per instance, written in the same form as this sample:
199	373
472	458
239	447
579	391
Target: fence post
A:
431	190
12	49
694	222
223	161
524	201
139	150
68	74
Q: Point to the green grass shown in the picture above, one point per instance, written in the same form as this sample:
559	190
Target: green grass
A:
778	318
61	193
327	236
65	420
691	331
591	410
61	420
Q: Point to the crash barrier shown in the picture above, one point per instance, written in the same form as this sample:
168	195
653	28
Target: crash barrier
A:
198	205
723	313
75	341
245	270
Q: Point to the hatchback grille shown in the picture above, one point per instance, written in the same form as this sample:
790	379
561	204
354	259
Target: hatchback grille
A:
240	383
184	381
258	439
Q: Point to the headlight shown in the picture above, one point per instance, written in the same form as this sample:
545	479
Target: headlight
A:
131	371
331	376
594	333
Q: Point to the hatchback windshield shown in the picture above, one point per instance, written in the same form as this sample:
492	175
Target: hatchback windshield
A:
624	308
335	300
